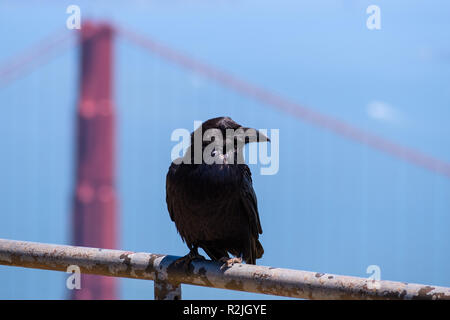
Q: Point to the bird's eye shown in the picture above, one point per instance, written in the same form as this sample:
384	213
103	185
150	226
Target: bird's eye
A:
214	153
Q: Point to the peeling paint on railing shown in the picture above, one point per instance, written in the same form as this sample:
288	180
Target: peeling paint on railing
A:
168	276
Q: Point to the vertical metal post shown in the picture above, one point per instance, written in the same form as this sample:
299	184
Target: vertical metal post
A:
166	290
94	214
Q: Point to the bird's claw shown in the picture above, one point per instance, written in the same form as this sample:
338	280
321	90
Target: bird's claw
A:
187	259
199	257
229	262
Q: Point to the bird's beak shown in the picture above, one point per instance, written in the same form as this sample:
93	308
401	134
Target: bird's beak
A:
260	137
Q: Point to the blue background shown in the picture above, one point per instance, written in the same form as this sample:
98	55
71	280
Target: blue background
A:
335	205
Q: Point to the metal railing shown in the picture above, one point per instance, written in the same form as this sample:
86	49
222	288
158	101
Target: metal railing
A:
168	276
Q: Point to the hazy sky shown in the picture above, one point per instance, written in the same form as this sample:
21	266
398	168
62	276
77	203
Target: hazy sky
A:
335	205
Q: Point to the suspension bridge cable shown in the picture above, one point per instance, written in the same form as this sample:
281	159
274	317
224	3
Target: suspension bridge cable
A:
330	123
36	55
40	53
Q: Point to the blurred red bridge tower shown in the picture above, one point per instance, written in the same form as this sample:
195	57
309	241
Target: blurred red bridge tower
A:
95	212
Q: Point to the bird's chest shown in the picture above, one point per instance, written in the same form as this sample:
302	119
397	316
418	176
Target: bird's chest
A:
210	189
211	181
210	203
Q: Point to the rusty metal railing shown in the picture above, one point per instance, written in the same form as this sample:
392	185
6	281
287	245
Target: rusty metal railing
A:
168	276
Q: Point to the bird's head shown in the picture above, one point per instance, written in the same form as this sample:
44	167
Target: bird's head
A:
222	138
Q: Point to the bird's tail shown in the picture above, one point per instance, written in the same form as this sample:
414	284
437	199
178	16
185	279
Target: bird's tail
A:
258	249
256	252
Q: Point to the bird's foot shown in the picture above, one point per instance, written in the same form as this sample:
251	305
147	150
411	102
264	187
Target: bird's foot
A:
185	261
229	262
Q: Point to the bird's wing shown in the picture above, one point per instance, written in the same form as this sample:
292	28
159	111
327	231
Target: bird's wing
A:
169	189
248	198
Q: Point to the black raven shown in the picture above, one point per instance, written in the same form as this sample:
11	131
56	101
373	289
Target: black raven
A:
213	205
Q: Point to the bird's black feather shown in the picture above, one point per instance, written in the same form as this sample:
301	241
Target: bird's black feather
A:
214	206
